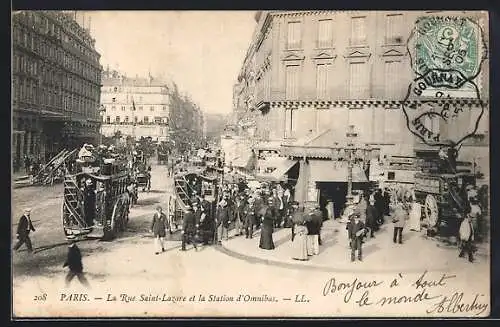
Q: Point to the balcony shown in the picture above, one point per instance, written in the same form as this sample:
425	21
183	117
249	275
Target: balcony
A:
261	101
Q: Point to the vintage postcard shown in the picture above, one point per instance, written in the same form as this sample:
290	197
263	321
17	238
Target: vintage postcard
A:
250	164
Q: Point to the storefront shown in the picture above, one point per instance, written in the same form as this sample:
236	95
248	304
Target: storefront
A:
324	170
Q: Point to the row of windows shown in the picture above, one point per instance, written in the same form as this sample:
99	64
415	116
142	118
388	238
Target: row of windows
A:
140	108
326	28
52	76
358	83
126	119
44	25
55	53
28	91
130	99
116	89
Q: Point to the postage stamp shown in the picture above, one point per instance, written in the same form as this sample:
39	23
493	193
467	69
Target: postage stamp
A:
446	54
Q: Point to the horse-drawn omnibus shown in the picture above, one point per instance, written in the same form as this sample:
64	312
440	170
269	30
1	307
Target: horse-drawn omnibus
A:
442	193
184	195
96	202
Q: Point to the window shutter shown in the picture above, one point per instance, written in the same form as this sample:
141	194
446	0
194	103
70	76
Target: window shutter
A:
322	81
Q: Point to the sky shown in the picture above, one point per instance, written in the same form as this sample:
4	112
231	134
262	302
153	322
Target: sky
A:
201	51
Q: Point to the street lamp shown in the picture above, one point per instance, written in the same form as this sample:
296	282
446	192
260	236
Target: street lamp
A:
102	111
351	135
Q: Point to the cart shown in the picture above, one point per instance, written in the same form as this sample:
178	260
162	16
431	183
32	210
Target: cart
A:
162	158
142	177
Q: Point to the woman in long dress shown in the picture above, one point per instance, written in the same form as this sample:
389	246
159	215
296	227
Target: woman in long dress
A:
415	214
266	233
299	243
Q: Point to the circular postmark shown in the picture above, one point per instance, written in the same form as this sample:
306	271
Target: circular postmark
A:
442	118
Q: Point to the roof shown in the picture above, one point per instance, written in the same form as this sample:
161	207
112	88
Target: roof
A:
335	171
281	165
207	178
268	145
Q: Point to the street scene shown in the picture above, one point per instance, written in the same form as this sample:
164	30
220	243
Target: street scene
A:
328	172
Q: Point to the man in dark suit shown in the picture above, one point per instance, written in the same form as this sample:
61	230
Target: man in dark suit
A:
250	214
75	265
356	231
196	213
297	213
222	221
189	229
24	228
371	217
281	208
387	201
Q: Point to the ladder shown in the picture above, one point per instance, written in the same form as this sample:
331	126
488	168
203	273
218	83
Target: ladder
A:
72	214
46	174
181	192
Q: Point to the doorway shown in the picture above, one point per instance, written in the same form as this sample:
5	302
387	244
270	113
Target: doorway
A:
337	193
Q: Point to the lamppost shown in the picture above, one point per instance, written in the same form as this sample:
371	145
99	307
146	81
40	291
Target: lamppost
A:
102	111
351	135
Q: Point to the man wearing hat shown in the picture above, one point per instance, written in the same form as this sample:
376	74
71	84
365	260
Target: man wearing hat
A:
250	215
356	231
466	233
239	214
372	216
196	212
75	265
222	221
159	226
189	227
296	215
24	228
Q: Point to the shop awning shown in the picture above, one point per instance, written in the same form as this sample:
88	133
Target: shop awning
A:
335	171
281	167
241	161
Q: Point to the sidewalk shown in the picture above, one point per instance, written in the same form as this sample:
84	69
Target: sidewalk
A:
21	174
380	254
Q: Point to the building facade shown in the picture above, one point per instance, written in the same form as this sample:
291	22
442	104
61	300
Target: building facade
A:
310	76
56	79
187	122
137	107
148	107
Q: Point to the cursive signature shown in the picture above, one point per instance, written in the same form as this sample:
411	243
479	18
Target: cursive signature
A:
332	287
455	304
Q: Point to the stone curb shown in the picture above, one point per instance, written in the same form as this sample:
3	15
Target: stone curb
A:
355	267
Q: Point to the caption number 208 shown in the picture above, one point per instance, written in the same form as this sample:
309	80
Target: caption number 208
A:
41	297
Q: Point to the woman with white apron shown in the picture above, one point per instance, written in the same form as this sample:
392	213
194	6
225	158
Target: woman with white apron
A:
415	215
